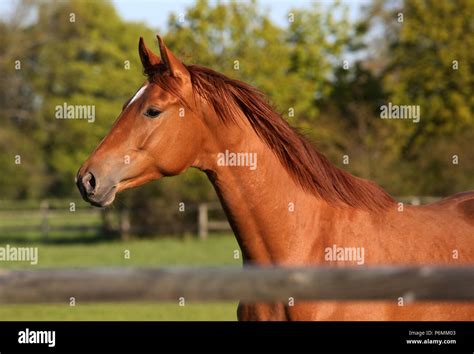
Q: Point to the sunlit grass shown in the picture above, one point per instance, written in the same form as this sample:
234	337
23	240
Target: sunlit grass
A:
217	250
121	312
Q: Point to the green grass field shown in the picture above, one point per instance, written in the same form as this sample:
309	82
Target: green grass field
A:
217	250
120	312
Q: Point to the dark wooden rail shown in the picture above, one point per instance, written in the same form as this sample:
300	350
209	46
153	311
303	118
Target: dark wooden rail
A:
249	284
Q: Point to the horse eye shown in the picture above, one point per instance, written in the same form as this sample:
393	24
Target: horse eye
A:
152	112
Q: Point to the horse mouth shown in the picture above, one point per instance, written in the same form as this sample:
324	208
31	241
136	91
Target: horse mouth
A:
100	200
105	199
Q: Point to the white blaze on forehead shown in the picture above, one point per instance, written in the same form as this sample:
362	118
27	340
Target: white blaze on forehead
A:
138	94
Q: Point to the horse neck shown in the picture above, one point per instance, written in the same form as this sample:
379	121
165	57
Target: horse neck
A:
264	205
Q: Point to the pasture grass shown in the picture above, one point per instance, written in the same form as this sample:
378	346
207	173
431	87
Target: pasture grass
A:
167	251
218	250
121	312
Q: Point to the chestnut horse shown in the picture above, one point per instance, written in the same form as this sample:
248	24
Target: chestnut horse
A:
286	203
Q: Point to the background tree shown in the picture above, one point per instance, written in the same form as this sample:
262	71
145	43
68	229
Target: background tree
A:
428	61
22	163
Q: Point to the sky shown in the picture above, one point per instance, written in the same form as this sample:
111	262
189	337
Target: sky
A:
155	12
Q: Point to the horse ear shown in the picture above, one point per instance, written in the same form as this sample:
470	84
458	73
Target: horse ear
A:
147	57
174	65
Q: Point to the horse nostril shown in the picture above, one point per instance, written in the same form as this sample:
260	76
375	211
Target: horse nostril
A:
89	183
92	181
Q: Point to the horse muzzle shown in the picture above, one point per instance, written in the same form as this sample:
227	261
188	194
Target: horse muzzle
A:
98	194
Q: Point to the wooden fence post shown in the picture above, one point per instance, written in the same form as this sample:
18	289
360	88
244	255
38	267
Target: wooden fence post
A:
203	221
44	207
415	201
125	224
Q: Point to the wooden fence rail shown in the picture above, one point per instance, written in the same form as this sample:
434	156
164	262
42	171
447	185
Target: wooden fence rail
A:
249	284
